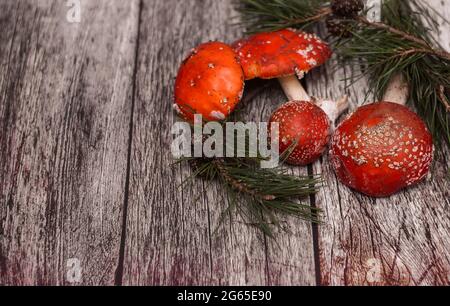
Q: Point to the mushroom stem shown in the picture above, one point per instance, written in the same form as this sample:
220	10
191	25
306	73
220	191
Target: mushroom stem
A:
333	109
293	88
397	90
295	92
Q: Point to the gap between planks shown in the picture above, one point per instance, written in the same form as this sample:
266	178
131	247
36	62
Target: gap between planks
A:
119	270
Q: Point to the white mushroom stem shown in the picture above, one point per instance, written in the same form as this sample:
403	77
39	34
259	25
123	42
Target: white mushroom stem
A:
293	88
295	92
397	90
333	109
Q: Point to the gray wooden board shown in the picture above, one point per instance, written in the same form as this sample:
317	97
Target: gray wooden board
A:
65	91
71	97
170	232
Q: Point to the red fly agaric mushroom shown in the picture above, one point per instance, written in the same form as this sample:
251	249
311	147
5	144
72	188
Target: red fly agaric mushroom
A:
282	54
210	82
383	147
306	126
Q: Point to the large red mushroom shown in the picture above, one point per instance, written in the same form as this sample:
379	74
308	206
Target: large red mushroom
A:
210	82
383	147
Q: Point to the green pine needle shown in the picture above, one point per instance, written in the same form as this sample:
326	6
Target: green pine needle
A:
263	15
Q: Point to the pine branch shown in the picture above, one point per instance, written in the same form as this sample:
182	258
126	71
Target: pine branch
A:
239	185
426	48
317	16
263	15
382	26
262	197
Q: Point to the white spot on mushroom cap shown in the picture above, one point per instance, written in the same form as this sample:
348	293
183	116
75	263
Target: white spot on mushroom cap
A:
305	52
176	108
311	62
217	115
300	73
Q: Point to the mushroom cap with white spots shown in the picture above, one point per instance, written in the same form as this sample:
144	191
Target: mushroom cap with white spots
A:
381	149
210	82
281	53
306	124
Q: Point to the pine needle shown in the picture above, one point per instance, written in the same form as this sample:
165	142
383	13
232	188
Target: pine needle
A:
263	15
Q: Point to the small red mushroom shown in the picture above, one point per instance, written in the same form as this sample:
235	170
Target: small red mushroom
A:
210	82
381	149
305	125
282	54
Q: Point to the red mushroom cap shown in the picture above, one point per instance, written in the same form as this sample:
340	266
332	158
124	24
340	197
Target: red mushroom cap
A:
306	124
281	53
381	149
210	82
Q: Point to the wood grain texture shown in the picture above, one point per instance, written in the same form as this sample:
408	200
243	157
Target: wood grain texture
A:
402	240
170	236
65	91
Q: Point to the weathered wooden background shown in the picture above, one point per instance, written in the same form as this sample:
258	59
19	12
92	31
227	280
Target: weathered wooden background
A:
86	192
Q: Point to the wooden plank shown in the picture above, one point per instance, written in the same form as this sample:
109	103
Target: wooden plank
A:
402	240
65	91
170	237
290	256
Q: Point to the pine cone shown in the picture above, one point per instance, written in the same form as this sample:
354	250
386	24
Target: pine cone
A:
339	27
347	8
